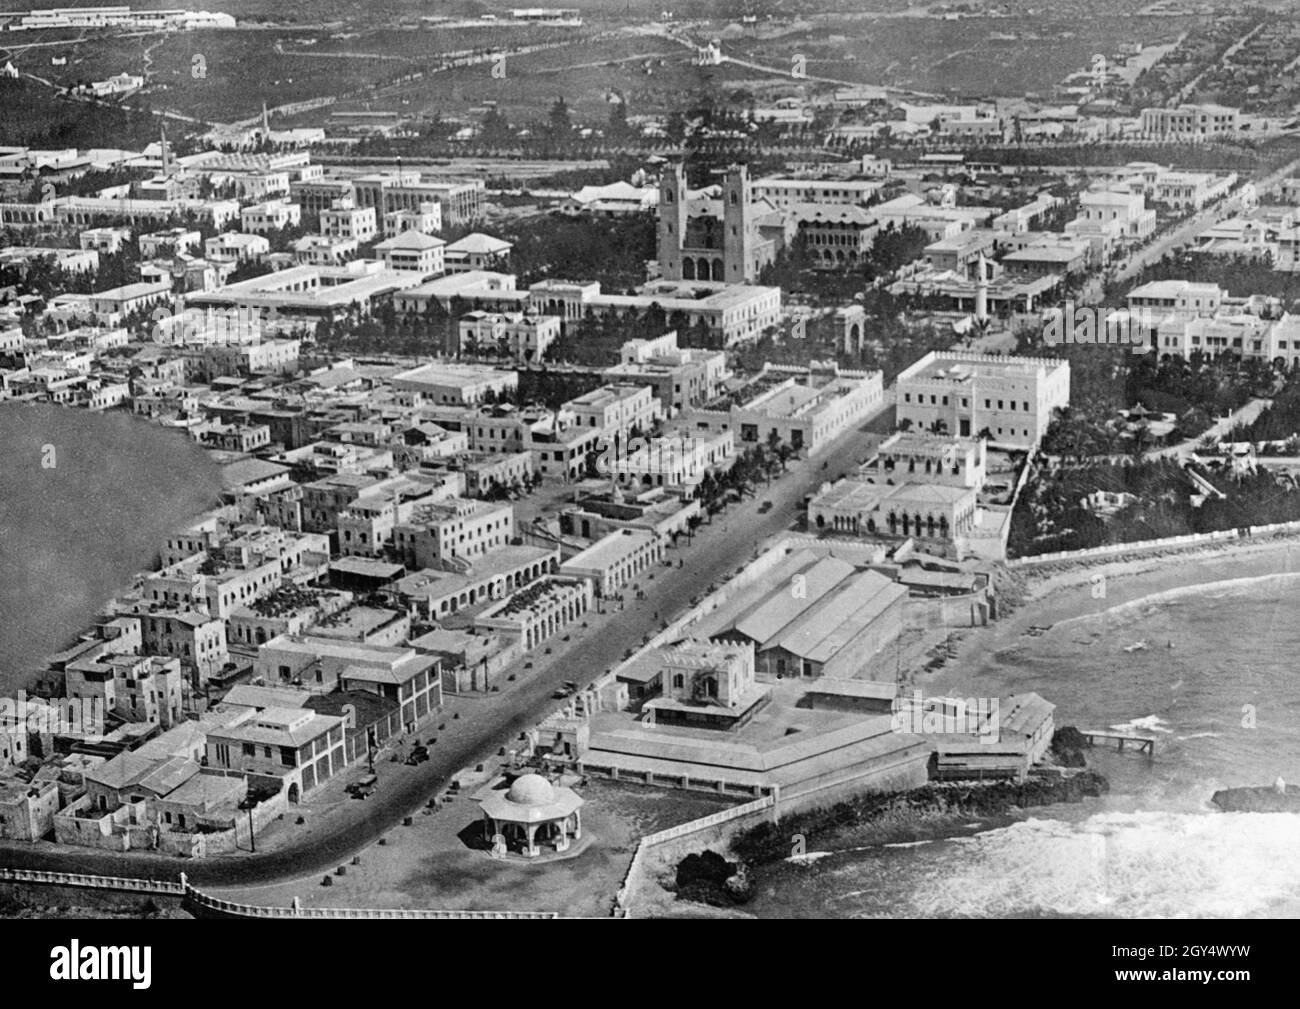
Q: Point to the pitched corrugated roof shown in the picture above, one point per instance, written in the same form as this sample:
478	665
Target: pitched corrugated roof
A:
823	631
781	606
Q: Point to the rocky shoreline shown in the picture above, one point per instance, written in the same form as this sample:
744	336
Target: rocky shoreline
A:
881	818
768	842
1259	799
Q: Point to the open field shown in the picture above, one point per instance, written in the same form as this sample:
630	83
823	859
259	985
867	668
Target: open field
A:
241	69
1005	56
298	51
650	73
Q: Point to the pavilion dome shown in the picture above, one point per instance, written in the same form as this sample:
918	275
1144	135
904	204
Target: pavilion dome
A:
531	790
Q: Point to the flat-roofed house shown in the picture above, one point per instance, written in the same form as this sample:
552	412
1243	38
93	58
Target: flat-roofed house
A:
414	683
616	559
1010	398
300	747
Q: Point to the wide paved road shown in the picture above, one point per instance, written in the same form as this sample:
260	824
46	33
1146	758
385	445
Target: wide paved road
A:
489	722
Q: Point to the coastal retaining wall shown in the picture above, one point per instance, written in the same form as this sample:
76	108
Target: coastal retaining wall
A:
908	770
654	851
1169	543
657	853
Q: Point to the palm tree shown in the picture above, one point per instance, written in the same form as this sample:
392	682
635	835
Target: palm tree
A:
774	442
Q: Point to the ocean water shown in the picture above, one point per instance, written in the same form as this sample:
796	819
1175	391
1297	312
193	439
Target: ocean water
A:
1224	702
86	501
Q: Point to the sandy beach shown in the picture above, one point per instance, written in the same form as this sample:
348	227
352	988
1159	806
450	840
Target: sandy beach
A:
1060	591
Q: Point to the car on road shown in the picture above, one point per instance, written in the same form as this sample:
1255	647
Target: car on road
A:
363	788
560	693
419	754
765	507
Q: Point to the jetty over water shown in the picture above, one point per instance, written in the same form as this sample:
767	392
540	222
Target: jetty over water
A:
1145	744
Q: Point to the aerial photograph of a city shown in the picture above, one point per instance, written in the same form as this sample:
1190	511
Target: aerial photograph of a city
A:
747	459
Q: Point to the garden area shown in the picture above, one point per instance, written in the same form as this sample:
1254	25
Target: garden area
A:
1155	499
1240	276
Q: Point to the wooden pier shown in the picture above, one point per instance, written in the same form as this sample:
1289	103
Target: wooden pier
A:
1145	744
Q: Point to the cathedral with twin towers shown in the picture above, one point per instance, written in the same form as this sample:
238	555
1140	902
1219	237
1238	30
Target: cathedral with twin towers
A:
719	235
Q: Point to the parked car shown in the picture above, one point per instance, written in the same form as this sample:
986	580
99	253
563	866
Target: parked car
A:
363	788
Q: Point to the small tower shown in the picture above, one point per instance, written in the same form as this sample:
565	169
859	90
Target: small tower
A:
981	290
166	152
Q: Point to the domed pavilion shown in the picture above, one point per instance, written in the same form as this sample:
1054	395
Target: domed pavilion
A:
532	812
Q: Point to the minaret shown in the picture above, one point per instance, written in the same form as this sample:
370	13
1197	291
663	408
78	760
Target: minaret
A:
981	291
166	153
266	122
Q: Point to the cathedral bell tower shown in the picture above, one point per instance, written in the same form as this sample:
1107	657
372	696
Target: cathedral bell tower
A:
737	227
672	220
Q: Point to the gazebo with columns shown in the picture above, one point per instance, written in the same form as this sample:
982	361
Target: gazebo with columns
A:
532	810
